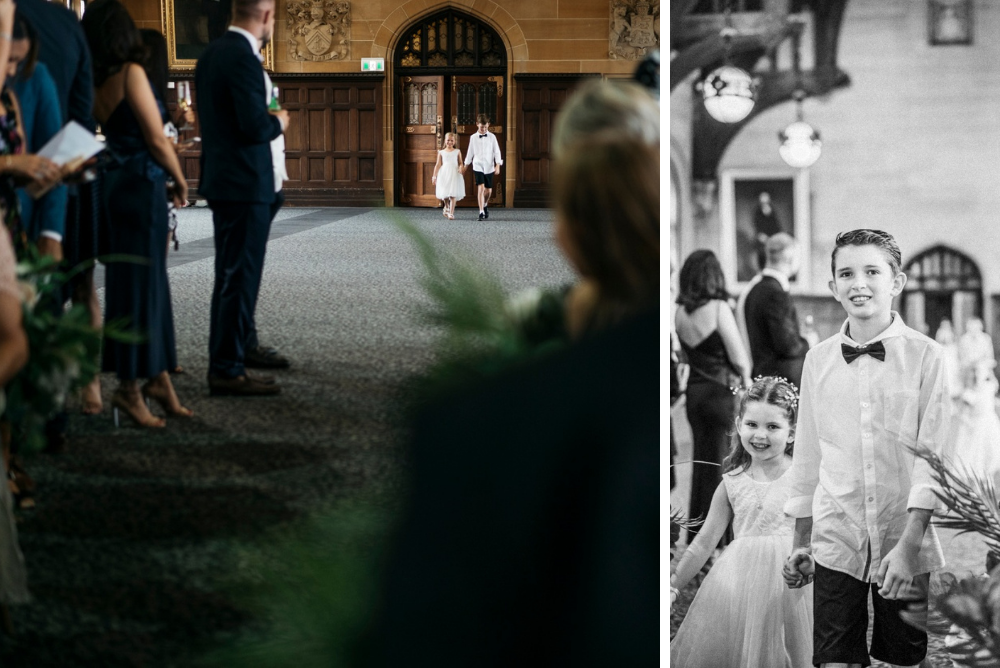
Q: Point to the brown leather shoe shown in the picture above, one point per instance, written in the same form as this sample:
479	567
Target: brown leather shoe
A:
264	358
241	386
265	378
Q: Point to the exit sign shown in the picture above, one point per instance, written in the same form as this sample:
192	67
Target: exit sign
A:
373	64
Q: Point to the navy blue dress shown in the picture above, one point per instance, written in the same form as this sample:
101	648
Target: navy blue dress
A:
136	202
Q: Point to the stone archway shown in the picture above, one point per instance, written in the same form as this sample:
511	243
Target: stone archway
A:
393	31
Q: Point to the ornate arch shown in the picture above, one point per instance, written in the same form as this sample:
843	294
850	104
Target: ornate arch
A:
391	32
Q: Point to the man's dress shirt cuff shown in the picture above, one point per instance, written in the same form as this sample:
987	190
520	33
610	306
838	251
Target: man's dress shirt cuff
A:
799	507
923	496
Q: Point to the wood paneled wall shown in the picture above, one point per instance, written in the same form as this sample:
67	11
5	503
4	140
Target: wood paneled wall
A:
539	98
333	145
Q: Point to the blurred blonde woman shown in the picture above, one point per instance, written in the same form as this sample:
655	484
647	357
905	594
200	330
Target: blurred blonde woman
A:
606	194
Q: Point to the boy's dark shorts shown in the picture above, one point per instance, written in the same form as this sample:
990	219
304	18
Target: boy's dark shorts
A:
485	179
841	623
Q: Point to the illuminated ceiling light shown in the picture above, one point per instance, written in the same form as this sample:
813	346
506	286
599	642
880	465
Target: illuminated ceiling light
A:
800	143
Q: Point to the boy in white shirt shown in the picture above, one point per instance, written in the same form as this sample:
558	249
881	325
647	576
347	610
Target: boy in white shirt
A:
484	156
862	500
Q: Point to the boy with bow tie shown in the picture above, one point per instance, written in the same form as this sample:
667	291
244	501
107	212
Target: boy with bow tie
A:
484	156
862	500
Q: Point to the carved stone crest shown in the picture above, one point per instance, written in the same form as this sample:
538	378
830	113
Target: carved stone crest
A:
634	28
319	30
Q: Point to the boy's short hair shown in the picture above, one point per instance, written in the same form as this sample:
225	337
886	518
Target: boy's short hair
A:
865	237
482	119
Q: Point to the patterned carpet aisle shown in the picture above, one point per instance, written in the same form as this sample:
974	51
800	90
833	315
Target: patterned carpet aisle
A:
138	538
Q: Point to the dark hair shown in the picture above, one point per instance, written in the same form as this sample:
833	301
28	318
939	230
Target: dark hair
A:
606	191
24	30
770	390
156	62
112	37
865	237
482	118
701	280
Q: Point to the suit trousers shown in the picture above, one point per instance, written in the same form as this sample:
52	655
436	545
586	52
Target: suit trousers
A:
252	342
241	230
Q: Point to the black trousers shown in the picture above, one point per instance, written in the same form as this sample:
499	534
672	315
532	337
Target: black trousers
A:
241	230
710	410
252	341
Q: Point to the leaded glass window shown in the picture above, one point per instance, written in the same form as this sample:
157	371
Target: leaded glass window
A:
413	104
488	100
466	95
452	40
430	105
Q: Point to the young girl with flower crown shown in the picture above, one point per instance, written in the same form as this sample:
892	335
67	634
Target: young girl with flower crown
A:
744	614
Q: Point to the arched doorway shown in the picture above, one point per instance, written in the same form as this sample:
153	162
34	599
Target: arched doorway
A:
942	283
450	68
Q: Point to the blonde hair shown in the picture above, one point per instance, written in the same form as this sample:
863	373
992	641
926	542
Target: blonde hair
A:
453	136
606	192
596	106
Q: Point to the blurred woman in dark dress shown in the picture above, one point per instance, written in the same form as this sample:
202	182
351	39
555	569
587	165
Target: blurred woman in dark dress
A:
135	197
718	364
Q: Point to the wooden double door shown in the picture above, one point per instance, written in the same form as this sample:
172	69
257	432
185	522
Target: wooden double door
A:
432	105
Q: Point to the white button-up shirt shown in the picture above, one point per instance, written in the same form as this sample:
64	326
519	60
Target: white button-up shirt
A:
278	143
483	154
852	470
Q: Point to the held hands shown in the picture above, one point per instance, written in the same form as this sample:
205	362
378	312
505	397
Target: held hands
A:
282	115
799	569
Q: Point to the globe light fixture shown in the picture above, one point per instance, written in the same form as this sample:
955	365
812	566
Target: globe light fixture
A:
729	94
800	143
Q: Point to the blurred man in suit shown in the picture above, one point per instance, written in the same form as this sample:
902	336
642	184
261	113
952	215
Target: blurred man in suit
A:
237	178
766	315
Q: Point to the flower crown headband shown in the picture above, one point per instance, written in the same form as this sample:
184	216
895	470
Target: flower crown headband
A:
790	395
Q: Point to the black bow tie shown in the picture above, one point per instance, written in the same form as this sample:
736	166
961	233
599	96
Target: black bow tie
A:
483	136
876	350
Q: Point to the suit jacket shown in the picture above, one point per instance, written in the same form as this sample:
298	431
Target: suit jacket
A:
63	48
531	533
41	119
773	330
236	127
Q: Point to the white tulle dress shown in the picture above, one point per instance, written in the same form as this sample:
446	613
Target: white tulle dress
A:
744	615
449	182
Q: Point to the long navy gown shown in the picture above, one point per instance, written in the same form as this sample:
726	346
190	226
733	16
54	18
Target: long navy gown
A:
136	202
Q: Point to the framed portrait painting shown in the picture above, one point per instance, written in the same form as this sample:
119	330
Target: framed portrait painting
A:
189	25
949	21
754	205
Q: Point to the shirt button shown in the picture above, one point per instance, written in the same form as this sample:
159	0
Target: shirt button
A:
864	405
868	466
871	498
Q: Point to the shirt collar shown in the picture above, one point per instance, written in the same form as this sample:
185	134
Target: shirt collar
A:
895	328
778	276
254	42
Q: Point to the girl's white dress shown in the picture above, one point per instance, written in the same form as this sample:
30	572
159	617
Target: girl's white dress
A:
744	614
449	182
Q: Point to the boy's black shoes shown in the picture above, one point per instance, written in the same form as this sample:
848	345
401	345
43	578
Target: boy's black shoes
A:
486	212
482	216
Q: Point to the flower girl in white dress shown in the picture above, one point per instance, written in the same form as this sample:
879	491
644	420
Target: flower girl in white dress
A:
448	175
744	614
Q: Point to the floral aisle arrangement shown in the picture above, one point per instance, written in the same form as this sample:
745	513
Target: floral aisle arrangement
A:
484	330
63	350
967	611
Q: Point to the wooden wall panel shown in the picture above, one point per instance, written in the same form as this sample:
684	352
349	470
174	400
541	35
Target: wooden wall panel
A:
333	145
540	96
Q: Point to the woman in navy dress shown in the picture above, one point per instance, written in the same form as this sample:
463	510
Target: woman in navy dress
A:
134	194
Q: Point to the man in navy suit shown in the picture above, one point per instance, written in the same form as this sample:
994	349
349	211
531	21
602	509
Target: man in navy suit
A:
237	178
